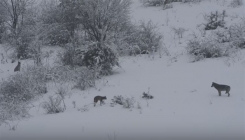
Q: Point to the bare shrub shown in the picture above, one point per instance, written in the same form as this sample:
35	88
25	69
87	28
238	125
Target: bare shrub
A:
62	91
58	35
118	100
85	78
147	96
214	20
139	105
236	3
235	35
10	111
84	108
23	87
167	6
205	48
128	102
18	90
148	39
152	2
80	77
53	105
192	1
67	57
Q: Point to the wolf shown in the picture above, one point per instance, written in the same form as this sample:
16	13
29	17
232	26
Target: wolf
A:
17	68
222	88
99	98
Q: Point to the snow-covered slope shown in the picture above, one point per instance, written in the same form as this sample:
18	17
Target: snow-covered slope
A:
185	106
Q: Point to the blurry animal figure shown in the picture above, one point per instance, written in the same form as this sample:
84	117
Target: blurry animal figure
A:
17	68
99	98
221	88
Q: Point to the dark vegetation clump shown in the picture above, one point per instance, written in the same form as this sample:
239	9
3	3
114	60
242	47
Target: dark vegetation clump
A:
215	20
147	96
100	57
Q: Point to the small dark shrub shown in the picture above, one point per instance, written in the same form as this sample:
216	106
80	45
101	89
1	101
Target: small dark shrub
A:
147	96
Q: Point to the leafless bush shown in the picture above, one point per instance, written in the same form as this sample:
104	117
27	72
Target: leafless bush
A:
53	105
84	108
128	102
24	86
235	35
205	48
214	20
81	77
236	3
233	55
118	100
62	91
86	78
148	39
192	1
152	2
147	96
18	90
139	105
167	6
10	111
67	57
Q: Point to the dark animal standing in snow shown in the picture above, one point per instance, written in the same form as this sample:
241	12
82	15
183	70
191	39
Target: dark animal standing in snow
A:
221	88
99	98
17	68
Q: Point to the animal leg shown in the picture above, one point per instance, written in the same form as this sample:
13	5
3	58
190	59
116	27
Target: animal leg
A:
228	94
102	102
219	93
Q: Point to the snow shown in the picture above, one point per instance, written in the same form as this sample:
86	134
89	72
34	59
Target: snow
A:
185	106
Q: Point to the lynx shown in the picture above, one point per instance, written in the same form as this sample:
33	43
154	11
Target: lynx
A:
221	88
99	98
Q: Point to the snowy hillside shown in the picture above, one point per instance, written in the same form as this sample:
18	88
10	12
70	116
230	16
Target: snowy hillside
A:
184	107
